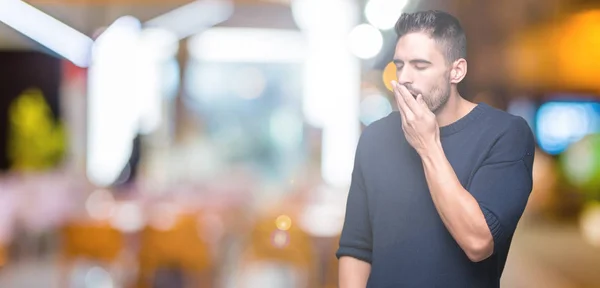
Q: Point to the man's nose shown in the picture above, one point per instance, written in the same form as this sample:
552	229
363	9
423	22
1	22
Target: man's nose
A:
404	76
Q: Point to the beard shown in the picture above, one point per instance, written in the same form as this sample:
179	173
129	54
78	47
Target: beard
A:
437	96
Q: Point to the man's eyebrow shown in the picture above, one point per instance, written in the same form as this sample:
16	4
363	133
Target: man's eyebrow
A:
414	61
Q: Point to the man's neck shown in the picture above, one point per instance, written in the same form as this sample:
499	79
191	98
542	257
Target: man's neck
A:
456	108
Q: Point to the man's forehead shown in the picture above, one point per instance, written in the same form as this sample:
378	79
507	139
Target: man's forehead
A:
417	45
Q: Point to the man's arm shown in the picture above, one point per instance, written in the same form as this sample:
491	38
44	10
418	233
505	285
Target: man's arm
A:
458	209
356	241
486	216
353	273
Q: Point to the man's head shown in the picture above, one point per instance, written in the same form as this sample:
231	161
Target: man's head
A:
430	55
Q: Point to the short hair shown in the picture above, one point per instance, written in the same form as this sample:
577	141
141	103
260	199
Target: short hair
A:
444	28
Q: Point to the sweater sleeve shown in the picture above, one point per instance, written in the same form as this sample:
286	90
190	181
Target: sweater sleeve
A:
503	182
356	238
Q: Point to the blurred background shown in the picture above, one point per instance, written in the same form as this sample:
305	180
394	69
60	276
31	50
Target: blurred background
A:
209	143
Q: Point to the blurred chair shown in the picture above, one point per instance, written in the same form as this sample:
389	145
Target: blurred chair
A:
95	241
179	248
276	243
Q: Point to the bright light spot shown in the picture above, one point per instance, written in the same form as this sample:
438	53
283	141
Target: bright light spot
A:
365	41
270	274
331	15
590	224
100	205
338	150
46	30
322	220
193	17
561	123
156	48
283	222
159	43
280	239
125	93
330	74
128	217
373	108
97	277
247	45
389	74
384	14
113	116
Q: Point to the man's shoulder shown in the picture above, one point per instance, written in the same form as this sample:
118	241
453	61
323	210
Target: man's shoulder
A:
511	134
501	124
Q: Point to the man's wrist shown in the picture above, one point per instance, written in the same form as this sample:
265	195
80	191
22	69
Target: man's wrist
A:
431	152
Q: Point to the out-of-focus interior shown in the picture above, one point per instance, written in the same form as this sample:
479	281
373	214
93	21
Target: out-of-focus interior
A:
210	143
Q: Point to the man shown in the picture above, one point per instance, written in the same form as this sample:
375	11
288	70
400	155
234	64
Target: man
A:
438	188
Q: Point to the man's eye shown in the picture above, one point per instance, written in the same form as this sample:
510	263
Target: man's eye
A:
421	67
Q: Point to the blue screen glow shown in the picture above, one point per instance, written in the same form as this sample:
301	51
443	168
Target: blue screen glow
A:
559	124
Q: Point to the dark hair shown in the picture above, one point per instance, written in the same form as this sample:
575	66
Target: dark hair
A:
441	26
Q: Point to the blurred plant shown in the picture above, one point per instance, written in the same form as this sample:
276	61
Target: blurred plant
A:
36	141
581	166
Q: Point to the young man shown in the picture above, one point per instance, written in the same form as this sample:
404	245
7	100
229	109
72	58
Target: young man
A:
438	188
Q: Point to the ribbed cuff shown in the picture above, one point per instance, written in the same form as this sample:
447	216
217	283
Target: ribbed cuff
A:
495	227
360	254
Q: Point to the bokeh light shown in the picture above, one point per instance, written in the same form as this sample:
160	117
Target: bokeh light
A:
383	14
365	41
389	74
589	222
558	124
164	216
98	277
280	239
100	205
128	217
581	163
373	108
283	222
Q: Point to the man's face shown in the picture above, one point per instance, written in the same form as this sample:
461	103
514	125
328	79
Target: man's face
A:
422	68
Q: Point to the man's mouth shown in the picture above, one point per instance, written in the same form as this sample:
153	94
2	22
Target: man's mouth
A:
413	92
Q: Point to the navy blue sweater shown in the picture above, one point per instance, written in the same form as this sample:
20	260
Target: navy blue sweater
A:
392	223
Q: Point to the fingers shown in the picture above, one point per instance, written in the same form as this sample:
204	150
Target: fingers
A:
421	101
409	99
405	111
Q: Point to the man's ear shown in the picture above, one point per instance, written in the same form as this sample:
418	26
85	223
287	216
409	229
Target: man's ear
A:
459	71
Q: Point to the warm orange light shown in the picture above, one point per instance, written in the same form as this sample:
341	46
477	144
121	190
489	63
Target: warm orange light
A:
563	56
578	50
283	222
389	74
